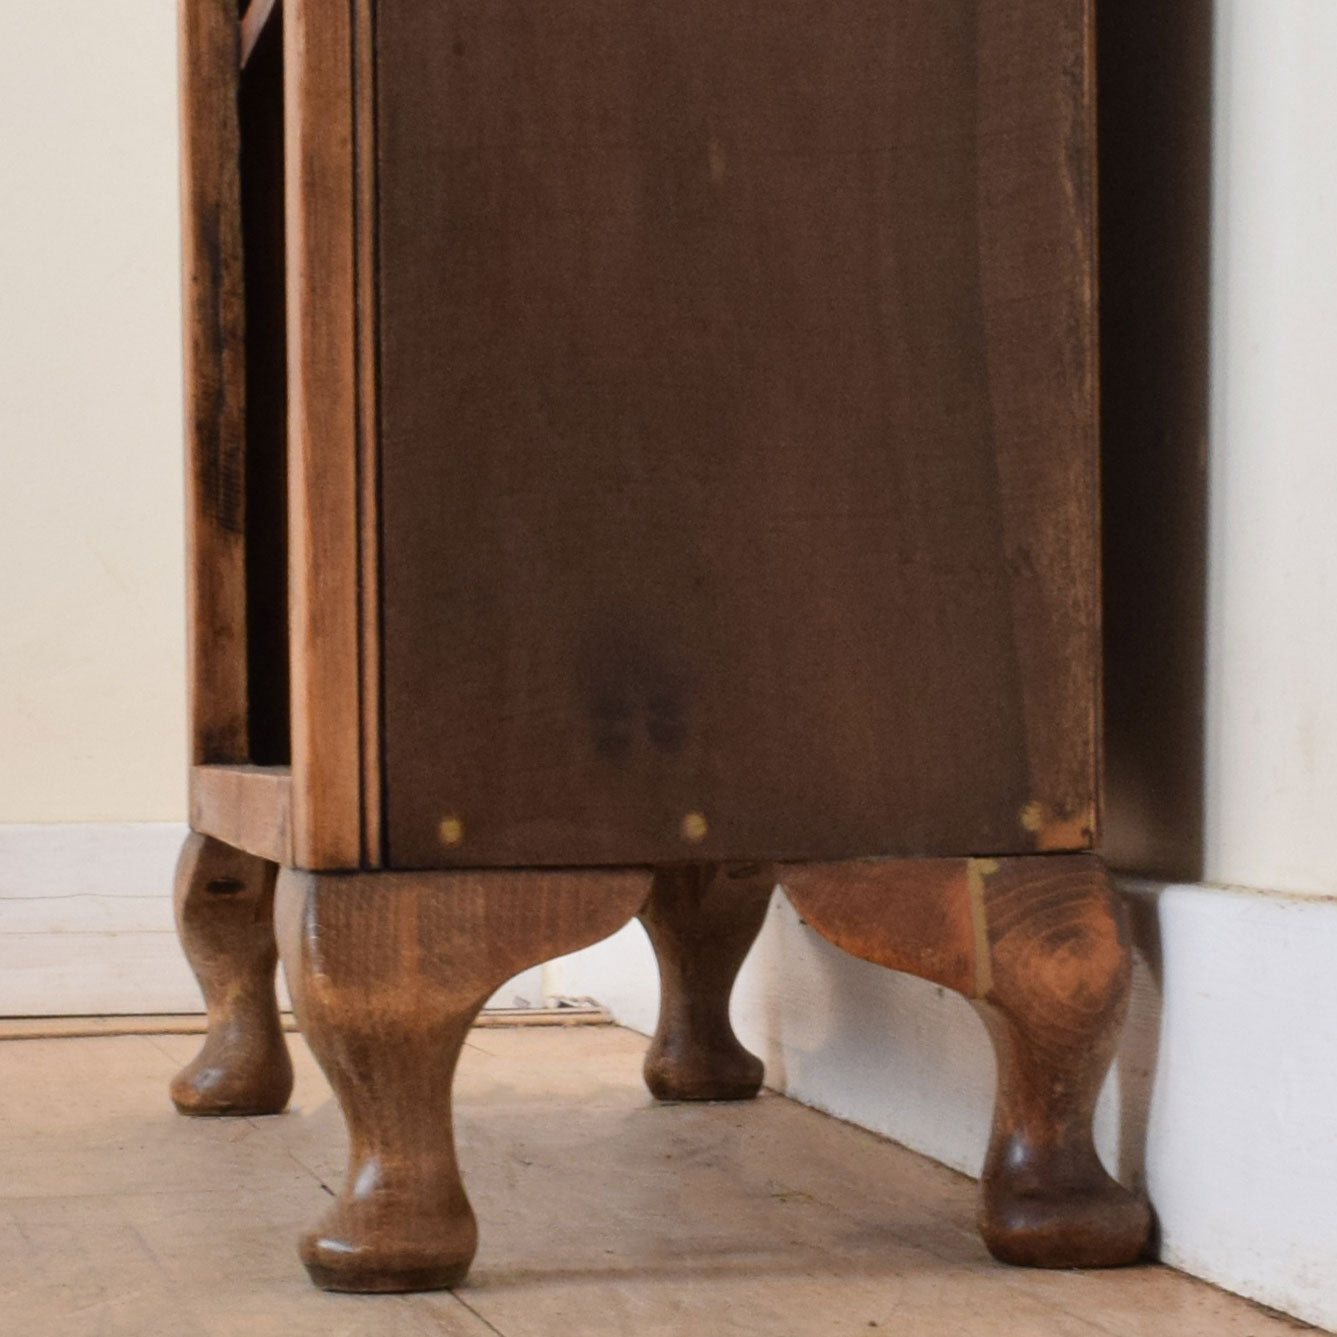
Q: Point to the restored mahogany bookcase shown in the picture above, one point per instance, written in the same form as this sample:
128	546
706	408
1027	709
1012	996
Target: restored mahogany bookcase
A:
639	454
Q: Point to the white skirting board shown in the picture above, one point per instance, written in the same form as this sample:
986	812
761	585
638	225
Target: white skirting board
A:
1223	1101
86	921
86	924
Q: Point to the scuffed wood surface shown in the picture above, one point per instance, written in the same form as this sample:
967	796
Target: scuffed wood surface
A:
224	904
214	322
246	806
817	1226
1041	948
323	435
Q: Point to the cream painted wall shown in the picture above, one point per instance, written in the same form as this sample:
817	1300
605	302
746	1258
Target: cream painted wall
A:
91	596
1271	700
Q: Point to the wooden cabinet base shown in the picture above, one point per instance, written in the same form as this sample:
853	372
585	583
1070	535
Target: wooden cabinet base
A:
388	971
225	919
1040	947
644	437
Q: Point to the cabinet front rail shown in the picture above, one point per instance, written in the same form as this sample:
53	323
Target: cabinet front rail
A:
249	807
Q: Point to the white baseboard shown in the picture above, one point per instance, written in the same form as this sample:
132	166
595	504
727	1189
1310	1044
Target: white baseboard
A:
86	925
86	921
1223	1102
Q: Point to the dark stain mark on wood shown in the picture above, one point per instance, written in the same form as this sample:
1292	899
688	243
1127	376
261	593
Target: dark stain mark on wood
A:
222	474
633	696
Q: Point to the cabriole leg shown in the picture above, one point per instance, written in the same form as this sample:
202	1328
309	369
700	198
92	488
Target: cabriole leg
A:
225	918
1040	947
1054	1006
387	972
702	919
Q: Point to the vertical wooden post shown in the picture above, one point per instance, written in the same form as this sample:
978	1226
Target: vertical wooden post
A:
319	111
215	380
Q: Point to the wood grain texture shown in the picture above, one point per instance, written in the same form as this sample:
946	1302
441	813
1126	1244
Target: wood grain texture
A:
246	806
738	449
1040	947
1037	276
386	972
373	782
914	915
215	381
224	903
1059	980
702	920
322	435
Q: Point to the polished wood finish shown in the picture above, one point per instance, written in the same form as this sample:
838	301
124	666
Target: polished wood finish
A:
921	916
225	918
387	971
1058	989
215	382
702	920
1040	947
322	430
753	472
246	806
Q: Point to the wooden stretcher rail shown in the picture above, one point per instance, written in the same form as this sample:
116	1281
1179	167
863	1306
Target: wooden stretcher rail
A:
249	807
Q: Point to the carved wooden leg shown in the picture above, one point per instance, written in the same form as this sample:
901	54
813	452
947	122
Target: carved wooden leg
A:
702	919
1055	1001
1040	946
225	918
387	972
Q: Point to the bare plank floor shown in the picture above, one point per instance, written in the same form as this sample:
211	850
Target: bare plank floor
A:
602	1214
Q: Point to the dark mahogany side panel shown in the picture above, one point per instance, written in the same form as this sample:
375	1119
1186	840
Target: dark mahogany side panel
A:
738	429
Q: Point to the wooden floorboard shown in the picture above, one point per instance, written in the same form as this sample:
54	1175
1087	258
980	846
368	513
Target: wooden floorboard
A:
602	1214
